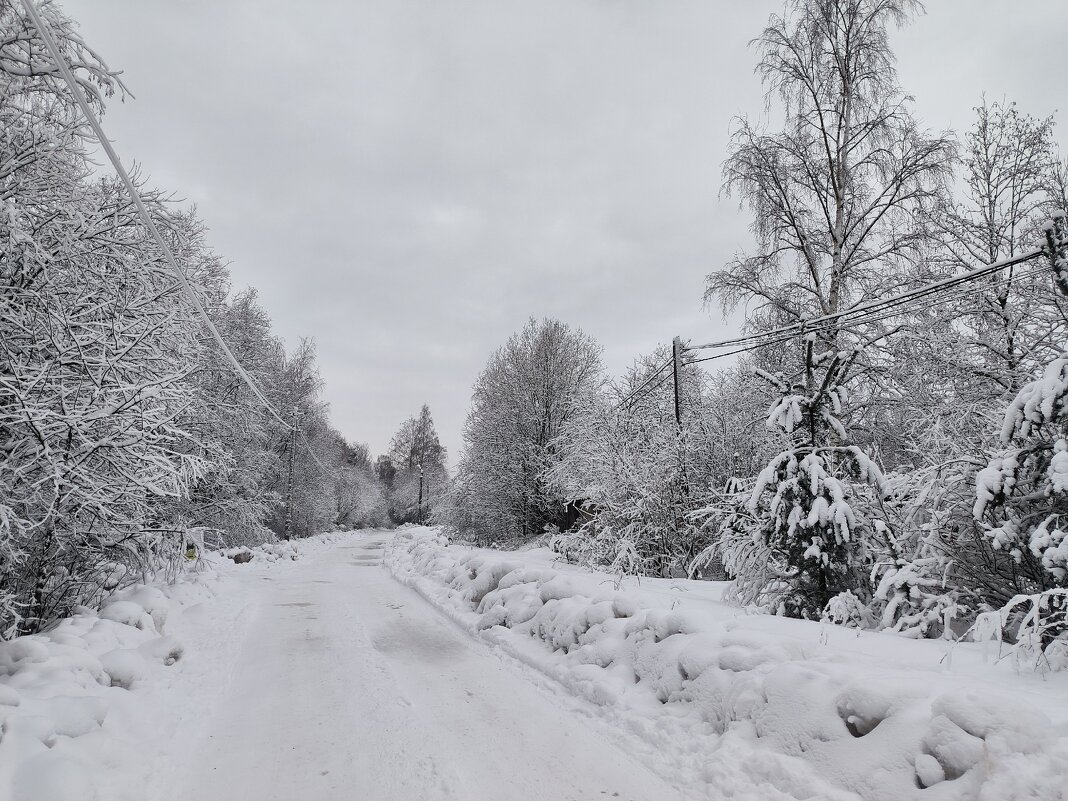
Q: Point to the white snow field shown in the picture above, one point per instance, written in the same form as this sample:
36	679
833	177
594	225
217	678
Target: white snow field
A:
737	705
312	679
313	674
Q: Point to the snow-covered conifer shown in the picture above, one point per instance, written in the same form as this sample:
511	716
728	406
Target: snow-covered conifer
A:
813	504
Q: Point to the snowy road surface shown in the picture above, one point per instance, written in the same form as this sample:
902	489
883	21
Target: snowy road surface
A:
347	685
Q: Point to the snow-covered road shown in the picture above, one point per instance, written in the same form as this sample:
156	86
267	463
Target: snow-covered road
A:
347	685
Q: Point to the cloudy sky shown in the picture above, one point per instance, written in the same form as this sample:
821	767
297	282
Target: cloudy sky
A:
407	181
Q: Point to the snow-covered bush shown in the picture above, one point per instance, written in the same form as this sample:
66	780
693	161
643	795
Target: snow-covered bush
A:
927	575
640	478
760	576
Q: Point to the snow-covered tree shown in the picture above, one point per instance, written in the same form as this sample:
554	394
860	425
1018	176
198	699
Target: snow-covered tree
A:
627	467
838	198
360	496
420	476
1009	324
833	194
310	451
813	502
542	377
95	349
635	476
231	429
120	424
1022	494
955	364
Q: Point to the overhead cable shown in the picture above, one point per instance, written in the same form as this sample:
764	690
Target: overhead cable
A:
872	318
926	289
135	196
652	376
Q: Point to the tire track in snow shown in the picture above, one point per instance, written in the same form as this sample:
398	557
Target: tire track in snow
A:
350	685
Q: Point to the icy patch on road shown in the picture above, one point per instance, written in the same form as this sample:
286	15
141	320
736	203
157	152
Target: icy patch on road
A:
736	709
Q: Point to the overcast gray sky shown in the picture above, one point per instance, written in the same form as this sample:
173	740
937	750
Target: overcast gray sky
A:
407	181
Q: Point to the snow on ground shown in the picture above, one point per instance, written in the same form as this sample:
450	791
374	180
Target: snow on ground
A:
340	683
81	705
323	678
318	679
749	706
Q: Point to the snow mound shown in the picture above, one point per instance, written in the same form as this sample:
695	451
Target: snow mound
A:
57	732
810	726
281	550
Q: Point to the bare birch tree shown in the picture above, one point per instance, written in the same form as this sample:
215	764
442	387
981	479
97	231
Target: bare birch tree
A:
834	194
838	198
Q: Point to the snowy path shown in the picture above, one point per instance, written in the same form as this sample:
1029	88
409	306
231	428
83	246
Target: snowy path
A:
350	686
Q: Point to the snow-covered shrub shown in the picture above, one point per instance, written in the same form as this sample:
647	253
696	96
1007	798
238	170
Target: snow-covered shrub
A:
600	548
760	576
929	568
639	477
846	609
1039	623
912	597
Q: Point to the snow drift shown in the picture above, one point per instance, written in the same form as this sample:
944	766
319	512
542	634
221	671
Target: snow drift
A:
709	694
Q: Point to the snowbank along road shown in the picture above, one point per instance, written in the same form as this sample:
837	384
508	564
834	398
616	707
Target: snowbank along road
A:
348	685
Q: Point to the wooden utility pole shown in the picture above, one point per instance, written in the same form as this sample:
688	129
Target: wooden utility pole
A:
676	354
420	513
287	531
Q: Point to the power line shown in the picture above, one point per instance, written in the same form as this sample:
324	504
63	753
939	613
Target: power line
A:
871	318
934	298
644	384
874	306
135	196
311	452
929	299
877	311
648	392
